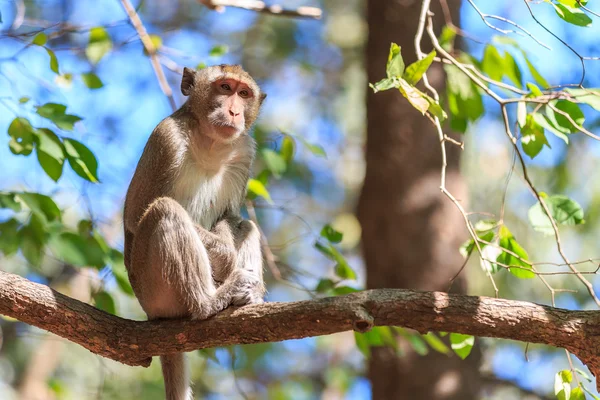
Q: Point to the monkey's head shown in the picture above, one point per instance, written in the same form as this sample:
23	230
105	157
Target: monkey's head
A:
224	98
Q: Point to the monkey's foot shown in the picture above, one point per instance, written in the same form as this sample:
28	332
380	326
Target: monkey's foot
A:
248	291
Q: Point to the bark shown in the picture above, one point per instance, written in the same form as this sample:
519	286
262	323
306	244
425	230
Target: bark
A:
411	232
135	342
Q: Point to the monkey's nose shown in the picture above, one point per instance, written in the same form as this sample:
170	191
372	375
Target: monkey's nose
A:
233	113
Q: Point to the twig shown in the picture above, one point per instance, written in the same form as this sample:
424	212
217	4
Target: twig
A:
151	49
522	31
259	6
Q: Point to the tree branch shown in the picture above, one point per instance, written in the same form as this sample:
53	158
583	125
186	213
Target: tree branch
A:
135	342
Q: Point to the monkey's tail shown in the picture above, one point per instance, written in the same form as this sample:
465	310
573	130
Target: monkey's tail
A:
176	375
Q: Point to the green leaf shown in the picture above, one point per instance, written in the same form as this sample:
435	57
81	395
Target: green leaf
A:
395	63
535	91
414	72
342	269
378	336
315	149
435	109
461	344
532	137
560	121
464	99
201	65
583	374
508	242
590	97
416	342
536	75
105	302
577	394
117	265
447	37
496	66
543	121
40	39
511	70
362	342
91	80
573	3
53	61
57	114
51	110
572	15
325	285
492	63
24	99
562	384
414	96
467	248
274	162
218	51
384	84
9	239
9	200
588	391
99	44
77	250
436	343
563	210
32	239
41	205
342	290
257	188
23	136
50	153
287	149
331	234
82	160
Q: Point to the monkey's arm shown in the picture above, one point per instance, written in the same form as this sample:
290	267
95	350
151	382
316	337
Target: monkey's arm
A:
223	243
220	245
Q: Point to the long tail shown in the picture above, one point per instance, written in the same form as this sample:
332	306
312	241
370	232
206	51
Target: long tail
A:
176	375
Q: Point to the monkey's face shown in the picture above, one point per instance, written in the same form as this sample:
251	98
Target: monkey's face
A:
232	101
225	99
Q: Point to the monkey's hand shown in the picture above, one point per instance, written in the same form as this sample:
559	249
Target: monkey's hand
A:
248	288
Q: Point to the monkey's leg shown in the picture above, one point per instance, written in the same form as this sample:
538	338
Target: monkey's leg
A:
170	268
171	275
249	258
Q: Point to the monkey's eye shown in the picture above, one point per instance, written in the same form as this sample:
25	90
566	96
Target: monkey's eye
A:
225	86
244	93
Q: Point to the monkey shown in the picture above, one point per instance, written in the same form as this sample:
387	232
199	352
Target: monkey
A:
188	251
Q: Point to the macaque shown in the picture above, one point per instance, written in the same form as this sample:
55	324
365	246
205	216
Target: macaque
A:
188	251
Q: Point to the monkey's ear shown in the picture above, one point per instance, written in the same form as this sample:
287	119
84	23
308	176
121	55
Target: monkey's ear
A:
187	81
262	97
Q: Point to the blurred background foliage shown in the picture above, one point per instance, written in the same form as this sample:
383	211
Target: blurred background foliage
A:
311	138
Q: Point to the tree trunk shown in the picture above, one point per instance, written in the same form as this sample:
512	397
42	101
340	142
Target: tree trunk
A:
411	231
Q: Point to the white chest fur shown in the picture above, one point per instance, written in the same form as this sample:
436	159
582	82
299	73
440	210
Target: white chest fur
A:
206	195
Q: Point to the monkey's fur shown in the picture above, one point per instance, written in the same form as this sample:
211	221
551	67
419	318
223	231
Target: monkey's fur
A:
188	251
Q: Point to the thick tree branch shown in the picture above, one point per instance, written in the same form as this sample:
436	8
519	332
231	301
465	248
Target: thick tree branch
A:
135	342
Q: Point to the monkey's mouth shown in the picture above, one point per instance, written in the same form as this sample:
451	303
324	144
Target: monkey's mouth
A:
226	129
